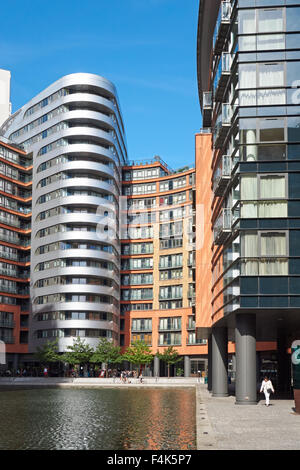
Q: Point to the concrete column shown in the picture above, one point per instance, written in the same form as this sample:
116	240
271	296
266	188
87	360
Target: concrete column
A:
220	362
209	364
187	366
156	366
245	343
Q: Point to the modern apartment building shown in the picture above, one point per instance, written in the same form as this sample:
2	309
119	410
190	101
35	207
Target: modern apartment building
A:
15	231
158	262
248	76
75	132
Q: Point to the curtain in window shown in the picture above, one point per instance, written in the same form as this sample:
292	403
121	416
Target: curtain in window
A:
271	75
272	209
278	267
269	97
246	21
247	98
249	249
270	42
272	187
270	20
247	76
273	244
249	187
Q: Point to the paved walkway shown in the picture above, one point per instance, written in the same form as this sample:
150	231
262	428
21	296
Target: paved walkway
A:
223	425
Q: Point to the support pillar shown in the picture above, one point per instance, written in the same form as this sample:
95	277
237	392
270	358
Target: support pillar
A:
245	343
156	366
187	366
220	362
283	361
209	365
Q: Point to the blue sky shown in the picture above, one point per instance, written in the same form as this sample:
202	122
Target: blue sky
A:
146	47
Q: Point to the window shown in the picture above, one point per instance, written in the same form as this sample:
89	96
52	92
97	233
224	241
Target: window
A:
265	253
263	188
270	20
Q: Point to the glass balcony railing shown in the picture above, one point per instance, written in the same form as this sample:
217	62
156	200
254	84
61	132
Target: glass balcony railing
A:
207	99
222	176
207	108
222	26
222	226
222	76
222	125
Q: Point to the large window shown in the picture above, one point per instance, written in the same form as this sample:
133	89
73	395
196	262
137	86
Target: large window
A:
263	189
265	253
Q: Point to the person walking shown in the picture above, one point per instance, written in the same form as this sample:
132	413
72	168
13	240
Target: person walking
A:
267	388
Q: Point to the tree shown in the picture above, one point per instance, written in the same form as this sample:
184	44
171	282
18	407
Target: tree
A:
139	353
170	356
79	353
48	353
106	352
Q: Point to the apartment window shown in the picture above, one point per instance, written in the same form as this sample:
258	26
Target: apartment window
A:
265	251
167	339
170	323
271	129
141	324
263	188
270	20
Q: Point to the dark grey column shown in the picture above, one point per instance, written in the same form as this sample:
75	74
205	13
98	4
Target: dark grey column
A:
245	343
156	366
209	365
220	362
187	366
16	361
283	361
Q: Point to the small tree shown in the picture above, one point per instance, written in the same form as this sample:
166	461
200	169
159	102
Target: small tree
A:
170	356
139	353
48	353
106	352
79	353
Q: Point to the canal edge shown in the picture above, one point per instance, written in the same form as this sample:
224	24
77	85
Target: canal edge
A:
206	439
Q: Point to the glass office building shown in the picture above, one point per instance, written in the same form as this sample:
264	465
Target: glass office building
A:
249	79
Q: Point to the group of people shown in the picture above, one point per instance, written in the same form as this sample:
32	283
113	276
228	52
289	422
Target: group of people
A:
126	375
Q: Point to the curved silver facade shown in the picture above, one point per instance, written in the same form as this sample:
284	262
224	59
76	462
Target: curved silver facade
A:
75	130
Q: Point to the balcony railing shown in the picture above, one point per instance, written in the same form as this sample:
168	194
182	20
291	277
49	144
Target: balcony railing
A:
7	324
207	108
222	226
222	176
222	26
223	124
222	76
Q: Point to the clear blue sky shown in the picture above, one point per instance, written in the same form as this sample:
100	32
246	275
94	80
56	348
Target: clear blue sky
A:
146	47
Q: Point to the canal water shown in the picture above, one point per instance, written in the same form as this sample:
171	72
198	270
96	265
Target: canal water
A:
98	419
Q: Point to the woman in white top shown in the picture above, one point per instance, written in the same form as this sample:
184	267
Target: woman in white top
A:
267	388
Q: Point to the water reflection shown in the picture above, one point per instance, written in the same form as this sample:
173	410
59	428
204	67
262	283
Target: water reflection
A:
111	419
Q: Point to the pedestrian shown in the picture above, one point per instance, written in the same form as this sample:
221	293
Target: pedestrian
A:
267	388
45	372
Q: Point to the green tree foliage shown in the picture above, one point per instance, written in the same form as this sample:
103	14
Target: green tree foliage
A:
106	352
48	353
139	353
79	353
170	356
